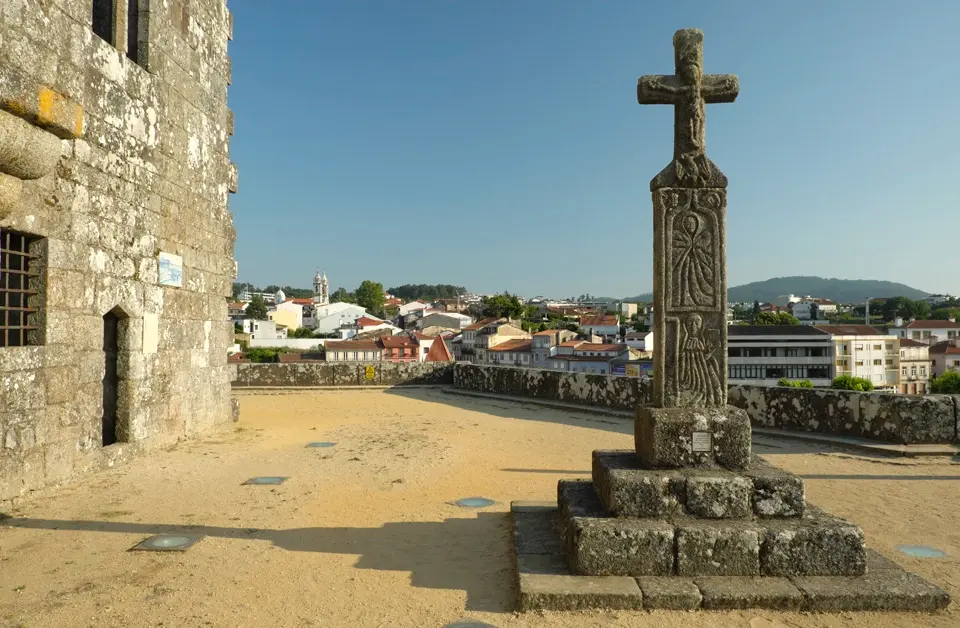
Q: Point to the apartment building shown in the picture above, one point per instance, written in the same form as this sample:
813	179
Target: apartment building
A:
945	356
863	351
493	335
916	368
353	351
545	345
928	332
763	354
512	352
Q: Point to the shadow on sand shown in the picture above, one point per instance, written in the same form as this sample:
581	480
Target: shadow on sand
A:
469	554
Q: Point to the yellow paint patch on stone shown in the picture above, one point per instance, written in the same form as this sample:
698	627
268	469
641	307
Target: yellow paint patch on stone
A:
60	114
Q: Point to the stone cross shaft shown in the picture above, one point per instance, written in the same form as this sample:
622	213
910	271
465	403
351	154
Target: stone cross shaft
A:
689	200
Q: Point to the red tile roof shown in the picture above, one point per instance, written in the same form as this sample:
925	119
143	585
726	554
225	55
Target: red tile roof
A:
366	321
571	343
513	345
546	332
932	324
397	342
907	342
599	320
946	347
480	324
352	345
439	352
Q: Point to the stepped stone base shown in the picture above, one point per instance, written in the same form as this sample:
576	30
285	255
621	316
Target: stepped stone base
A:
675	438
627	490
816	544
545	581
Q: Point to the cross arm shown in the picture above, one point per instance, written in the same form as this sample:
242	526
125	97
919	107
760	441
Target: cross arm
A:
720	88
658	90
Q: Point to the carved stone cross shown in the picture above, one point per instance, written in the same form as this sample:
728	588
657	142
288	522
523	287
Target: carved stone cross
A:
689	91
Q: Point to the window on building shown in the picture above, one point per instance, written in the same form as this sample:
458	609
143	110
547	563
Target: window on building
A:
889	361
903	370
889	346
103	14
903	354
878	347
859	347
916	335
21	308
878	362
859	362
913	371
923	371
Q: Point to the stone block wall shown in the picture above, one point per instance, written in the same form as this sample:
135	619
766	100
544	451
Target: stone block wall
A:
904	419
342	374
141	167
607	391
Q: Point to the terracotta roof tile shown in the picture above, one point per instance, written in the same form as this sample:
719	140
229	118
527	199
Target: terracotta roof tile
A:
397	342
366	321
932	324
590	346
439	352
571	343
850	330
946	347
513	345
907	342
599	320
480	324
352	345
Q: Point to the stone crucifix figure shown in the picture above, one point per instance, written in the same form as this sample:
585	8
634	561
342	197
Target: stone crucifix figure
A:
689	422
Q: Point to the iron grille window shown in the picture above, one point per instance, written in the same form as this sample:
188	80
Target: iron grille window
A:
19	279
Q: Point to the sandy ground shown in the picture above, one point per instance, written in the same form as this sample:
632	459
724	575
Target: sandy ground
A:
362	534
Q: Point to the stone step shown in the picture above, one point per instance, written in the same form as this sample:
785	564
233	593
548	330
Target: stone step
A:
626	490
815	544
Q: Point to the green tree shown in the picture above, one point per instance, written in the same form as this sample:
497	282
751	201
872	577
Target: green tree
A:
340	295
257	308
370	296
756	310
300	332
237	328
946	384
741	313
775	318
502	305
848	382
262	354
921	309
897	306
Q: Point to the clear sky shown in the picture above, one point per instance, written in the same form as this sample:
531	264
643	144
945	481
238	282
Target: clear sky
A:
499	145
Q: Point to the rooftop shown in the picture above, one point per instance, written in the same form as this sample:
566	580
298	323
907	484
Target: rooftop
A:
480	324
932	324
907	342
352	345
850	330
591	346
776	330
513	345
599	320
363	533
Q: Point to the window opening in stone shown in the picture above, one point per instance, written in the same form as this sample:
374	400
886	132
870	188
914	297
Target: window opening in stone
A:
111	381
19	297
133	30
103	14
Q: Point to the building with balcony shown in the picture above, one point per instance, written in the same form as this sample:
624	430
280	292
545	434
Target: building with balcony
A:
864	351
545	345
400	348
493	335
353	351
915	367
763	354
513	352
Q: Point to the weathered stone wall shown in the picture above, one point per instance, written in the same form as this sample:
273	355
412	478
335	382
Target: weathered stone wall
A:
343	374
608	391
142	167
907	419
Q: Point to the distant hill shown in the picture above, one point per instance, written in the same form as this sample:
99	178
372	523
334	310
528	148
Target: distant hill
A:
839	290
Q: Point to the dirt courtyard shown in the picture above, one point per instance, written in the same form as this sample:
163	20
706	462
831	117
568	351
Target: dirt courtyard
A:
364	534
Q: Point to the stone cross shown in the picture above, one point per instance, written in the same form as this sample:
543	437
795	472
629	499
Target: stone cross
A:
689	198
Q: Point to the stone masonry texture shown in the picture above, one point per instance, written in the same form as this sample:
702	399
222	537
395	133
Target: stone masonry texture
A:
142	167
342	374
905	419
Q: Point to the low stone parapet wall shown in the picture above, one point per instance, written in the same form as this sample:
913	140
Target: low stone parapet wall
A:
902	419
608	391
297	374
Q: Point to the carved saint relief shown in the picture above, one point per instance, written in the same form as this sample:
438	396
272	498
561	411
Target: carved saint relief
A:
698	377
693	252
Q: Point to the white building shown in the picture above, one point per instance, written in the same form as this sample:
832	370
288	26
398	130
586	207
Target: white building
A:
263	330
928	332
606	326
809	309
330	318
937	299
863	351
640	340
414	306
763	354
785	300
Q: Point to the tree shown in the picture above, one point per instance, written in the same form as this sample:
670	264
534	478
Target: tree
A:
238	328
741	313
946	384
370	296
897	306
502	305
257	308
340	295
794	383
772	318
300	332
848	382
921	309
945	313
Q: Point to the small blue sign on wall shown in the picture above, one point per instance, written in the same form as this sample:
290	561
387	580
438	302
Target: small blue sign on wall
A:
171	270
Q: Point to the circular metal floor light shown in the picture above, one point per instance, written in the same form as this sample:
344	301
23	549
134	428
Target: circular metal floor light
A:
266	480
474	502
321	444
921	551
166	543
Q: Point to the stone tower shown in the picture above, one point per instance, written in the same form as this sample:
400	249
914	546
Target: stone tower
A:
115	175
321	289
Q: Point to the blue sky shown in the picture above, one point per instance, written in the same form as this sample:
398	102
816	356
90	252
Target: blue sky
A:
499	145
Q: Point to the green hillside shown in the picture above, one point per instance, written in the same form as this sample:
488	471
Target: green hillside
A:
839	290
